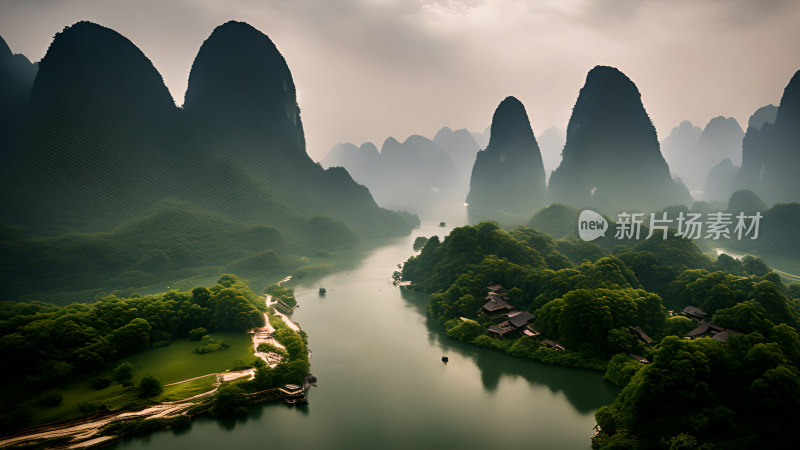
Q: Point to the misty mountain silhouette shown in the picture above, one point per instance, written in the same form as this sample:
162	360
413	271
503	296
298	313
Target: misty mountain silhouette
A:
363	163
414	174
724	178
508	179
461	148
716	187
104	144
763	115
680	150
721	139
482	139
692	155
16	78
612	159
770	156
551	142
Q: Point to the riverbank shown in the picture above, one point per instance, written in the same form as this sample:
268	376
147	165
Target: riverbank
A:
522	346
787	268
100	430
379	356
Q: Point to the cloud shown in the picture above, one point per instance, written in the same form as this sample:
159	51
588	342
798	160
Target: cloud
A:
368	69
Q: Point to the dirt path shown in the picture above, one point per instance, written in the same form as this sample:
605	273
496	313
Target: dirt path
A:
283	317
82	432
85	433
190	379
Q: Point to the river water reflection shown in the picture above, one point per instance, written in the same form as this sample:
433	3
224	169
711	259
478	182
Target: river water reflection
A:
382	383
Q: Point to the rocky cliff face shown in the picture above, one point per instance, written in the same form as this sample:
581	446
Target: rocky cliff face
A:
508	179
612	159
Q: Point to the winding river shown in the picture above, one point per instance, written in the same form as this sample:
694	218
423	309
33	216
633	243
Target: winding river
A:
382	383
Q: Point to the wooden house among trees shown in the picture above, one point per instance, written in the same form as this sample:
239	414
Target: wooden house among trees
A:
694	312
529	331
496	306
502	330
497	289
516	323
552	344
716	332
520	318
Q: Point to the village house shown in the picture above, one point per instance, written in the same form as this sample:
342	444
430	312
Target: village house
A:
693	312
502	330
716	332
516	322
552	344
496	306
497	289
529	331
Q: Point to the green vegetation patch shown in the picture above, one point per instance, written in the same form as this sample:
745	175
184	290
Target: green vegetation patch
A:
685	383
179	361
188	389
84	359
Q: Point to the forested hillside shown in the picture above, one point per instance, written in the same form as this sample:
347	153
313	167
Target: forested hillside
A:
621	311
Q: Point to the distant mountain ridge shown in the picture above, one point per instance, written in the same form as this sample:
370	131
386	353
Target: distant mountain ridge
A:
680	148
414	174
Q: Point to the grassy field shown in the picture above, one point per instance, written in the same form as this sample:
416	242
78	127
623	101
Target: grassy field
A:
178	361
188	389
169	364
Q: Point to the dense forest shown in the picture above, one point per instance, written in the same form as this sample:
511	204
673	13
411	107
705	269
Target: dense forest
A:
49	346
619	310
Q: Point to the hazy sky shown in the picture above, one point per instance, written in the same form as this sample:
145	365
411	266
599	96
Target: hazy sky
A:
368	69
